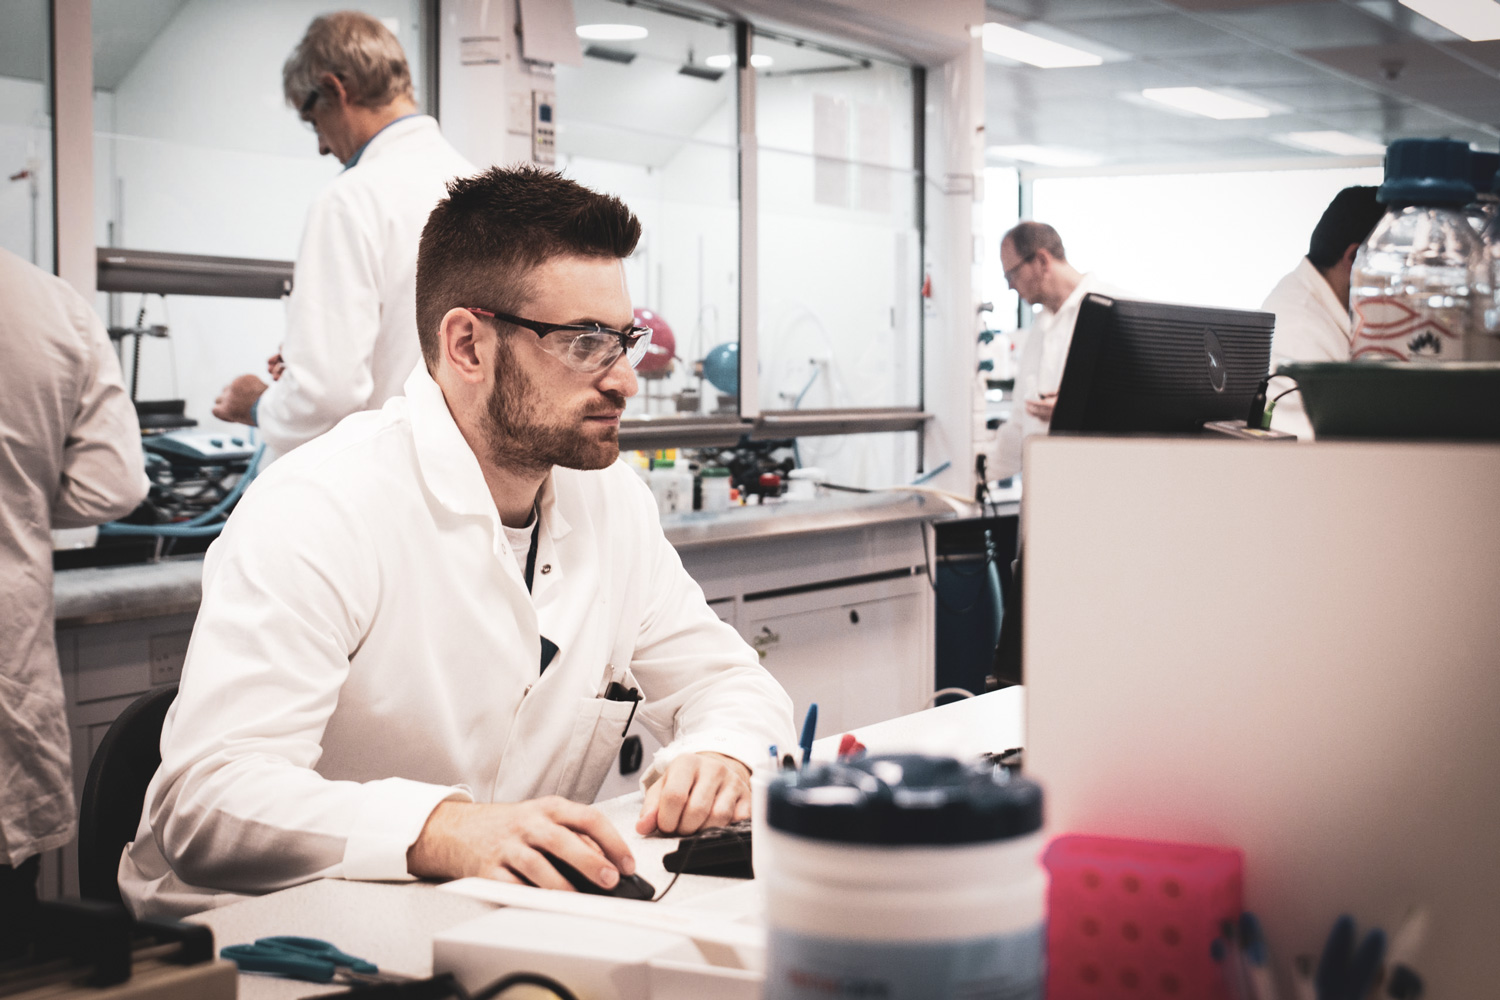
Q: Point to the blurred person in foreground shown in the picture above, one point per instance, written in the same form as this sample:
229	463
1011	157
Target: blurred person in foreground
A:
70	457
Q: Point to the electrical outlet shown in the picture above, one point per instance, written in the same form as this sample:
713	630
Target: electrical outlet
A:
168	652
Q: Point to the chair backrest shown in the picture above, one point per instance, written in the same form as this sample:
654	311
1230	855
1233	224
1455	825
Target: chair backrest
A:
115	789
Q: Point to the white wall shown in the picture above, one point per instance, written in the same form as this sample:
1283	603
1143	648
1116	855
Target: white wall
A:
25	144
1221	239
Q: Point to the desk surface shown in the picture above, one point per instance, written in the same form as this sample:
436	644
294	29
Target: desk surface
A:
393	924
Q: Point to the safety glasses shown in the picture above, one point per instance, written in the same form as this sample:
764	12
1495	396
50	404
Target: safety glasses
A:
584	347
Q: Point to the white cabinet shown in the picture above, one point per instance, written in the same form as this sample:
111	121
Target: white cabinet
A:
861	652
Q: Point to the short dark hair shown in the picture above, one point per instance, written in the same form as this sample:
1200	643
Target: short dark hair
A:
482	242
1027	238
1348	219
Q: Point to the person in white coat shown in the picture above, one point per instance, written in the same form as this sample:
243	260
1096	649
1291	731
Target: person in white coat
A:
70	457
1312	302
417	631
351	334
1036	267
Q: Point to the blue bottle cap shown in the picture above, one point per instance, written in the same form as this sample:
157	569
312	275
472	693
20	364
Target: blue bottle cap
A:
1430	172
904	799
1482	167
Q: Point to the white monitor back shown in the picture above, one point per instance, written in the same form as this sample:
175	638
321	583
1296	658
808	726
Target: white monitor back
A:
1294	649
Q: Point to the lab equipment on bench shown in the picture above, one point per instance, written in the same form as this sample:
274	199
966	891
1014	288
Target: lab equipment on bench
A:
87	949
1439	400
906	877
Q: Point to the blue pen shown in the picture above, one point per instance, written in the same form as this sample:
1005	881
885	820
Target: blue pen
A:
809	729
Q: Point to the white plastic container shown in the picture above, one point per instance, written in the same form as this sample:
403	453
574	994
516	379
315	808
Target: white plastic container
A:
802	484
861	902
666	485
715	488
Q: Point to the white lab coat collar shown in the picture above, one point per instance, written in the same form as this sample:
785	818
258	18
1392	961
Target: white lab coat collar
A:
1321	293
450	468
396	133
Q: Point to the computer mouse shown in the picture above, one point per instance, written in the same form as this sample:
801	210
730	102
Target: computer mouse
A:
629	886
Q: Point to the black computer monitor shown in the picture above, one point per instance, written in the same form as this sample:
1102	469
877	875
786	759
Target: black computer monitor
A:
1154	367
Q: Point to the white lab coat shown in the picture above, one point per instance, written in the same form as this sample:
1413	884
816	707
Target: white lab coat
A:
1311	325
70	456
1040	371
366	649
351	325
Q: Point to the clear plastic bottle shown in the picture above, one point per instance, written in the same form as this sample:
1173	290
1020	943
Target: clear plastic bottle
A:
1419	289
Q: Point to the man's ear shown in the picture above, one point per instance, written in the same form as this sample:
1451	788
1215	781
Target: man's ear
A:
467	346
1349	252
333	90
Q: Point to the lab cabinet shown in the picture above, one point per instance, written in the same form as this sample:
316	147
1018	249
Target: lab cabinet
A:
861	652
106	666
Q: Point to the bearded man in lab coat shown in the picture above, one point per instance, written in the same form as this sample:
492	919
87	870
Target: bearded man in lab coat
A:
351	333
1312	302
407	625
1036	267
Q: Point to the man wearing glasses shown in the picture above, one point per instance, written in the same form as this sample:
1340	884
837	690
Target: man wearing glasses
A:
351	330
422	635
1037	268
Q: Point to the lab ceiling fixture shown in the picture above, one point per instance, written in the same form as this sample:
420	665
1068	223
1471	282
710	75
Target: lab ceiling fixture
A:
724	60
608	54
1198	101
1476	20
1338	143
1047	156
1033	50
611	32
692	69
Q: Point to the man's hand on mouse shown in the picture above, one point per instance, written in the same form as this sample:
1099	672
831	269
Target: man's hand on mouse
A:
504	841
696	791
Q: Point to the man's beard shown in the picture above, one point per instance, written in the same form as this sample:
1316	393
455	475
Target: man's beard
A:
517	440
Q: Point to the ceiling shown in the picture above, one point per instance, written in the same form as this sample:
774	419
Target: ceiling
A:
1370	68
123	30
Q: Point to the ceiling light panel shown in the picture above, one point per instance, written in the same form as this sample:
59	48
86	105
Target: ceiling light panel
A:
1337	143
1033	50
611	32
724	61
1476	20
1209	103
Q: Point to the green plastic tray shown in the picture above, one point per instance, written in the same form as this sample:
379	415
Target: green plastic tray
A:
1452	400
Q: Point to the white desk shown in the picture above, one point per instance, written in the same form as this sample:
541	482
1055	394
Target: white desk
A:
392	924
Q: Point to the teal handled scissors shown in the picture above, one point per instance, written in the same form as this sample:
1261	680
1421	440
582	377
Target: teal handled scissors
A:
307	959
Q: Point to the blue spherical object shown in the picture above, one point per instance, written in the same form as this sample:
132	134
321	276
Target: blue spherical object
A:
722	368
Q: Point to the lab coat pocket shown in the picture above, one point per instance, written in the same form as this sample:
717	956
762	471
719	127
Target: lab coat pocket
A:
594	747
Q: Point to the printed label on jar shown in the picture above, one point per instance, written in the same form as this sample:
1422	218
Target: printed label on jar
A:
1004	967
1388	328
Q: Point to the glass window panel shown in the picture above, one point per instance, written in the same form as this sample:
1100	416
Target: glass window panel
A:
26	132
196	151
632	123
840	256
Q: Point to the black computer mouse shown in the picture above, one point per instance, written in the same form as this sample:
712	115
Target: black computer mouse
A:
629	886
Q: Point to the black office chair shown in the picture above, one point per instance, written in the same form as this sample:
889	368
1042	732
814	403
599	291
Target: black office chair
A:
115	790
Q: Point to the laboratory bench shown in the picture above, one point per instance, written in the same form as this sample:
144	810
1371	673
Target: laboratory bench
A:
834	593
393	924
